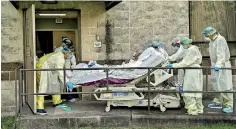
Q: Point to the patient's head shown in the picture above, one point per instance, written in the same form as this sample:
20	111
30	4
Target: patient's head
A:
158	44
176	43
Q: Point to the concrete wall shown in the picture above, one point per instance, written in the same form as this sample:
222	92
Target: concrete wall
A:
12	33
134	23
92	22
8	97
12	51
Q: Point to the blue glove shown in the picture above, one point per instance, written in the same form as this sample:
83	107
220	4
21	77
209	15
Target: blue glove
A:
181	89
170	65
91	63
70	85
216	68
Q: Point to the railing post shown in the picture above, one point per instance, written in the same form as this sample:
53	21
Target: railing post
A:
234	107
20	92
16	104
207	79
107	78
64	78
148	91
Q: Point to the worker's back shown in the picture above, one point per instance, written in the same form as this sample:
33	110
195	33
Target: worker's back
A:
52	59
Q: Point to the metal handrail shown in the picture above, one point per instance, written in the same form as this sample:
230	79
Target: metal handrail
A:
21	94
107	68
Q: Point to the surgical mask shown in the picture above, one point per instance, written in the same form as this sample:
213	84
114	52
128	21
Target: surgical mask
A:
70	56
207	39
185	47
176	48
215	37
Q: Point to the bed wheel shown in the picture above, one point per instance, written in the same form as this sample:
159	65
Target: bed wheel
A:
162	108
108	108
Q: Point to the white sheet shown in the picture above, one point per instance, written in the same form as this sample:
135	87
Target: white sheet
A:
149	58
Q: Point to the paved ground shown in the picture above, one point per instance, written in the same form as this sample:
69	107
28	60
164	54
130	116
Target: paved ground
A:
91	113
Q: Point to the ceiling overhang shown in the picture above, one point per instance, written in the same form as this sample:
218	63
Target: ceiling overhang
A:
108	4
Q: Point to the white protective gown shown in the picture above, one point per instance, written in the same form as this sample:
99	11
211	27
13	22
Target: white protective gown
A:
220	55
177	57
193	79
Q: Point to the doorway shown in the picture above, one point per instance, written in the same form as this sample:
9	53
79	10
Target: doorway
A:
48	41
42	34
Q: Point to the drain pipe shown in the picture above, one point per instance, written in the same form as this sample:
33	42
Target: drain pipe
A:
24	50
189	18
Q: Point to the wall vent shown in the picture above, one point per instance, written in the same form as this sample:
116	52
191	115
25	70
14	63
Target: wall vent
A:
59	20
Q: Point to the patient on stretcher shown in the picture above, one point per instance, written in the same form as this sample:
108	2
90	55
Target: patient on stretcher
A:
150	57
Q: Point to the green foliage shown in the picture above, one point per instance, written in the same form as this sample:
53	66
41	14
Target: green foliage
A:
216	126
8	122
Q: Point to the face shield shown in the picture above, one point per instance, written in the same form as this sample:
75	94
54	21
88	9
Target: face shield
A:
206	39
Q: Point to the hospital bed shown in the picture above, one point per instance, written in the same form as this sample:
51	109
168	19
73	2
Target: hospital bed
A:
121	96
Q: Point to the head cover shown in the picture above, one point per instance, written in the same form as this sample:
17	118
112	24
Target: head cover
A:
66	42
63	39
67	50
209	31
176	42
157	44
185	40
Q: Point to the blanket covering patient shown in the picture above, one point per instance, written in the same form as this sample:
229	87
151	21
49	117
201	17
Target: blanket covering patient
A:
150	57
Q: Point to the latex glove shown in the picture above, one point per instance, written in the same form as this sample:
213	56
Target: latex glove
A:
181	89
216	68
70	85
91	63
170	65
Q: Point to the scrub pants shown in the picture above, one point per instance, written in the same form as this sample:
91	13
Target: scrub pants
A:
225	98
193	105
55	98
40	99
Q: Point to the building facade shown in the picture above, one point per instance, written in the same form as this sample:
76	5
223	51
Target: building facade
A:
129	25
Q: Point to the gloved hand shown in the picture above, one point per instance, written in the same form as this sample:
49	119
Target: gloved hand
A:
181	89
170	65
216	68
91	63
70	85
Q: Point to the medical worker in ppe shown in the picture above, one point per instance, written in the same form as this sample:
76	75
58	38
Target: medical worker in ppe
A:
193	78
221	79
159	46
69	63
178	56
48	81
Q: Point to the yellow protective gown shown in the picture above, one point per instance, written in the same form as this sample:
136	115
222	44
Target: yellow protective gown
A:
193	80
222	79
48	81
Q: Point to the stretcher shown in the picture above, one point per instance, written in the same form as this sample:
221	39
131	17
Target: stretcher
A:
122	97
